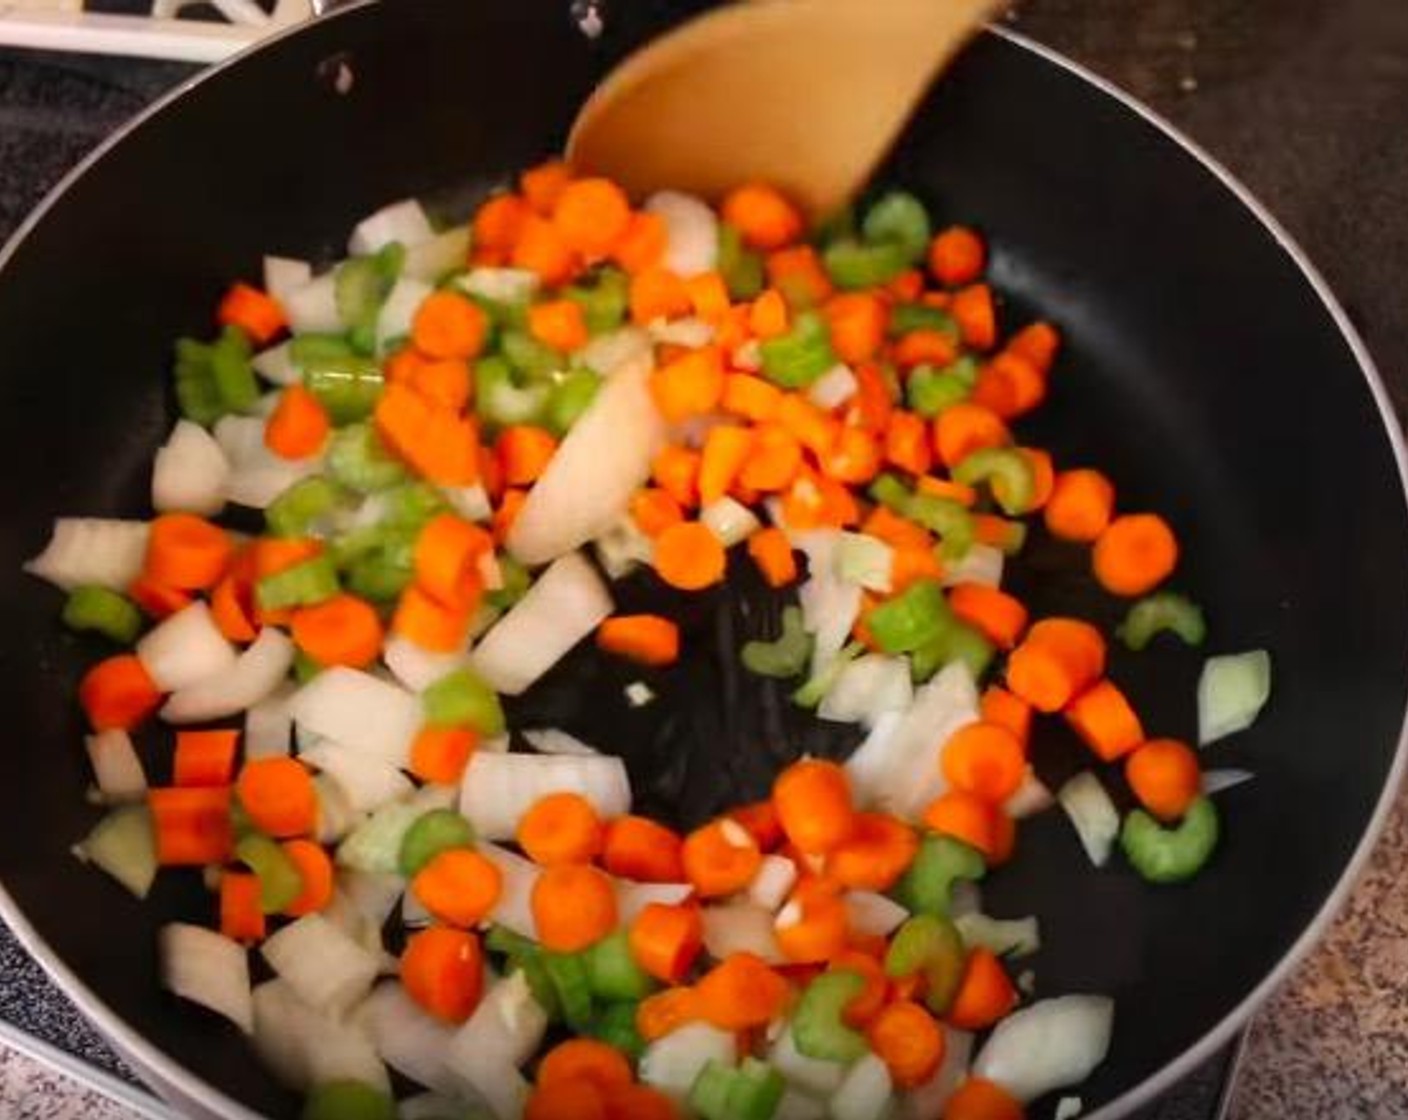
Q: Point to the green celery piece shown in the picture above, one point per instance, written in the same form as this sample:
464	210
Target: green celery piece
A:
1006	471
819	1028
854	265
412	505
500	400
898	218
929	944
198	399
708	1096
439	830
947	518
526	956
615	1025
569	398
303	585
891	492
101	610
837	226
304	668
533	359
784	657
604	299
908	317
347	1100
306	350
929	391
752	1091
297	511
1163	612
384	572
926	886
232	372
462	699
516	583
911	619
741	267
1170	855
796	359
361	287
358	460
348	387
279	880
958	642
613	972
568	973
810	694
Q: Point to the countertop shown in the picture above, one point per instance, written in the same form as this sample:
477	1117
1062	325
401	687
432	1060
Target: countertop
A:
1307	102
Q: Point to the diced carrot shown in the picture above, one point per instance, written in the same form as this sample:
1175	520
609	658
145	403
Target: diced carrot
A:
560	324
1164	775
873	402
797	272
857	321
658	293
999	617
540	248
979	1099
690	385
343	630
926	346
499	221
573	906
984	759
642	849
592	215
896	531
654	511
443	972
863	1008
909	1041
273	555
459	887
241	907
566	1100
524	452
1104	720
666	940
976	315
675	470
446	383
1012	712
727	448
299	425
584	1059
811	927
646	638
439	444
232	607
1134	554
1081	505
256	313
964	816
774	460
760	820
947	488
689	556
1009	385
814	501
957	256
158	600
315	870
909	564
277	795
643	244
772	552
709	296
447	557
192	826
1038	343
205	758
751	397
665	1012
907	443
765	217
507	512
741	992
640	1102
876	853
814	428
1057	661
720	858
118	694
544	184
429	623
985	994
186	552
855	456
813	801
560	828
768	316
440	754
964	428
449	325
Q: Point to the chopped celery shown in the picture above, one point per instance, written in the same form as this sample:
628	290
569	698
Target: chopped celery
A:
929	944
279	880
348	387
890	492
572	985
232	373
819	683
527	957
102	611
613	972
926	886
569	398
615	1025
384	572
412	505
1007	472
854	264
1170	855
432	833
787	655
361	287
1163	611
347	1100
819	1027
943	516
307	350
197	399
305	668
750	1091
898	218
358	460
912	619
500	401
929	391
533	359
516	582
604	299
796	359
297	511
957	642
462	699
908	317
303	585
741	267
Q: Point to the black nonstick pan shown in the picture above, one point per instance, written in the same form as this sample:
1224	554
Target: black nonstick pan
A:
1208	369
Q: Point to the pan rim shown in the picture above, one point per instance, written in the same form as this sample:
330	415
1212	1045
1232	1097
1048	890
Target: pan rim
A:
172	1078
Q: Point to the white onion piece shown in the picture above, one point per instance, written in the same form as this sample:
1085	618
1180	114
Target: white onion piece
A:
773	883
326	968
275	365
254	675
866	1093
399	309
418	668
1051	1044
1096	820
817	1076
366	781
472	503
982	563
190	472
1015	937
86	551
501	285
504	1031
200	965
834	387
632	897
1215	781
729	520
874	914
829	604
443	253
1032	797
116	767
1232	690
268	725
403	221
691	232
866	689
563	606
497	789
926	1101
304	1047
739	927
264	407
410	1041
864	560
897	768
797	1105
283	274
964	897
607	353
373	896
672	1063
689	331
242	439
312	307
361	712
256	487
186	648
514	909
1068	1108
601	462
430	1106
623	548
549	740
336	817
374	846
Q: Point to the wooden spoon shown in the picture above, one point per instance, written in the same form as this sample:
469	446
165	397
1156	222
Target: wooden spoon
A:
805	94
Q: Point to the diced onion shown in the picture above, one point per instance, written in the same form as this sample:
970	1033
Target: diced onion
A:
549	740
867	688
304	1047
797	1105
632	898
926	1101
409	1040
373	896
472	503
190	472
336	817
514	909
497	789
441	254
623	548
864	560
268	725
773	883
982	563
600	463
1051	1044
606	353
254	675
964	897
639	694
689	332
418	668
671	1064
871	913
374	846
1215	781
430	1106
1032	797
312	307
86	551
403	221
1232	691
283	274
817	1076
1096	820
116	767
729	520
1068	1108
502	285
829	604
399	309
1015	937
504	1031
691	232
185	649
276	365
123	845
739	927
563	606
866	1091
366	781
361	712
326	968
834	387
200	965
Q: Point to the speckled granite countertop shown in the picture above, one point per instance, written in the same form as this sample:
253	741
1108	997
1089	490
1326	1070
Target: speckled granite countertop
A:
1305	100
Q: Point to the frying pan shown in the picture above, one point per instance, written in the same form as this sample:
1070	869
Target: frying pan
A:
1209	370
